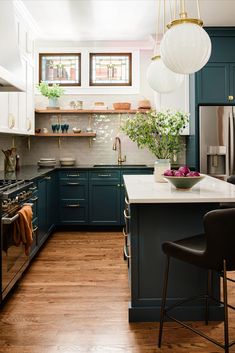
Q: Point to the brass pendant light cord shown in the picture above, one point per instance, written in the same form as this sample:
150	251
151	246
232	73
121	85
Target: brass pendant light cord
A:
198	10
155	50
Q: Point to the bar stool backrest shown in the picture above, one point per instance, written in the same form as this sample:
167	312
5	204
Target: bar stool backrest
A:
219	226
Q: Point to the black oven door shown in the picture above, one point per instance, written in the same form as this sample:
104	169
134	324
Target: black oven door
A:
14	260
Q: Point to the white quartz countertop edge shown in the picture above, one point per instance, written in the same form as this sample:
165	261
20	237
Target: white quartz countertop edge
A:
143	189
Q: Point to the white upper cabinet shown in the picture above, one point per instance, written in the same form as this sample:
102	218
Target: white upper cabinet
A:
177	100
17	108
4	120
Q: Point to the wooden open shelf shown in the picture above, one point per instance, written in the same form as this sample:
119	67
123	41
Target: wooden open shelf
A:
85	111
80	134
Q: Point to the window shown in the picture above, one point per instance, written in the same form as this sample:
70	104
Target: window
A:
110	69
64	69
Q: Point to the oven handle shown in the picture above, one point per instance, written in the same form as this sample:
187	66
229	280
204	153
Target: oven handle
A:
6	220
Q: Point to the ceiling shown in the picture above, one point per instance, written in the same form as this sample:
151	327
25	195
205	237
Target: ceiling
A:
115	19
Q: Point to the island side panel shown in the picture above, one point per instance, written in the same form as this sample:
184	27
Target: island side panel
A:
150	226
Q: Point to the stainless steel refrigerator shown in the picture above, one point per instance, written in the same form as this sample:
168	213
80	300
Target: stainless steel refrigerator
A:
216	132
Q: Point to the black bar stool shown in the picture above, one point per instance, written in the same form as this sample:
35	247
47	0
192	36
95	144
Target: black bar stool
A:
213	250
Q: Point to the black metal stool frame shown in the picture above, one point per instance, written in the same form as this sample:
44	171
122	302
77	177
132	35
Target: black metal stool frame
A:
164	311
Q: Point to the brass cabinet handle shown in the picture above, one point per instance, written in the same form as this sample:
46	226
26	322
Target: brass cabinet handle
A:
48	178
124	233
73	175
230	98
125	252
126	215
35	229
126	202
118	185
104	175
73	205
70	183
33	199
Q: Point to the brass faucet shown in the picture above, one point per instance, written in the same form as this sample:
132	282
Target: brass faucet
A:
120	159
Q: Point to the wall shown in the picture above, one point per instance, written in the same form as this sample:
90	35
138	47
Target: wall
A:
107	126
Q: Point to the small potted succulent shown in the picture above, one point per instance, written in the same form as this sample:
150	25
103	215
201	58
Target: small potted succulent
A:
160	133
51	92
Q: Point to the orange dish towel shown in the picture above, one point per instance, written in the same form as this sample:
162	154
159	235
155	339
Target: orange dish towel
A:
23	230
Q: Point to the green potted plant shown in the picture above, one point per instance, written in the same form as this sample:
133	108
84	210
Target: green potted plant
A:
51	92
160	133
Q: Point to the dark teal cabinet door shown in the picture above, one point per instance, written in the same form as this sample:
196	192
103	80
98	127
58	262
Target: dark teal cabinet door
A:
213	83
51	196
232	83
104	202
42	209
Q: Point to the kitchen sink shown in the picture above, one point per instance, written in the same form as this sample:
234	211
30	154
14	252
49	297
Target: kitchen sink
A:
119	165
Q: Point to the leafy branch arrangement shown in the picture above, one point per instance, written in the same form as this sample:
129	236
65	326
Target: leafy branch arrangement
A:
54	91
158	131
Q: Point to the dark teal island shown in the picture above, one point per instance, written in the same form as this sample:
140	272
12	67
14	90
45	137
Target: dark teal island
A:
157	212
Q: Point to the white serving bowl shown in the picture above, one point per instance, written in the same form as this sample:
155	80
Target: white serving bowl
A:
67	161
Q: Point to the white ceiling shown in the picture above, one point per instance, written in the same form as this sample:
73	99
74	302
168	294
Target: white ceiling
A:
115	19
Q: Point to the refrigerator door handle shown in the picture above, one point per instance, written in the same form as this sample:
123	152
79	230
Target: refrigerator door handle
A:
231	144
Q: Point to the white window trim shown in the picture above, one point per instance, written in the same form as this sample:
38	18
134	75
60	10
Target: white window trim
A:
85	88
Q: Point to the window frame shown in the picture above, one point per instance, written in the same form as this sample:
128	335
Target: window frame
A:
92	84
62	54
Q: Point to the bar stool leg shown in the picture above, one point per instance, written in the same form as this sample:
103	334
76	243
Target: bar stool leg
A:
225	294
164	292
208	294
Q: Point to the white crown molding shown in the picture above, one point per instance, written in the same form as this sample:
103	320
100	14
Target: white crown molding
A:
26	15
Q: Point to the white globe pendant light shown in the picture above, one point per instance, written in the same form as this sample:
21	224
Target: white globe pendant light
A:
160	78
185	47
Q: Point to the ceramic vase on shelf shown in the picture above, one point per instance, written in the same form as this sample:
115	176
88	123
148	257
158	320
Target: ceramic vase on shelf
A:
53	103
160	166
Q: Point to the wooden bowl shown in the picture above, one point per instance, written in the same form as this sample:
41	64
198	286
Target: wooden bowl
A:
122	106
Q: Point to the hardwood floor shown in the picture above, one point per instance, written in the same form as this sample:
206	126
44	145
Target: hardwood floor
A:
74	298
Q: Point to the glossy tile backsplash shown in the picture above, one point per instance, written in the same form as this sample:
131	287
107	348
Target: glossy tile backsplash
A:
99	150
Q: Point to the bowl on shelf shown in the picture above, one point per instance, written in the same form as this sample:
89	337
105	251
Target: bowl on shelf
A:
67	161
76	130
184	182
122	106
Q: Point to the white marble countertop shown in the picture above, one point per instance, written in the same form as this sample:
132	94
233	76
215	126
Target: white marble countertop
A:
143	189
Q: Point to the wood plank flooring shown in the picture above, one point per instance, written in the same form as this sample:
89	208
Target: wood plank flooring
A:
74	298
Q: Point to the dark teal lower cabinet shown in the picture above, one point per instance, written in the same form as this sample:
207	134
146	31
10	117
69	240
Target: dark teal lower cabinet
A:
73	211
47	211
73	197
104	202
94	196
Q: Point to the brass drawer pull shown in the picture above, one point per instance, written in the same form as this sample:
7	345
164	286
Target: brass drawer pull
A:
48	178
73	175
35	229
230	98
124	233
125	252
104	175
126	202
33	199
72	184
73	205
126	215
